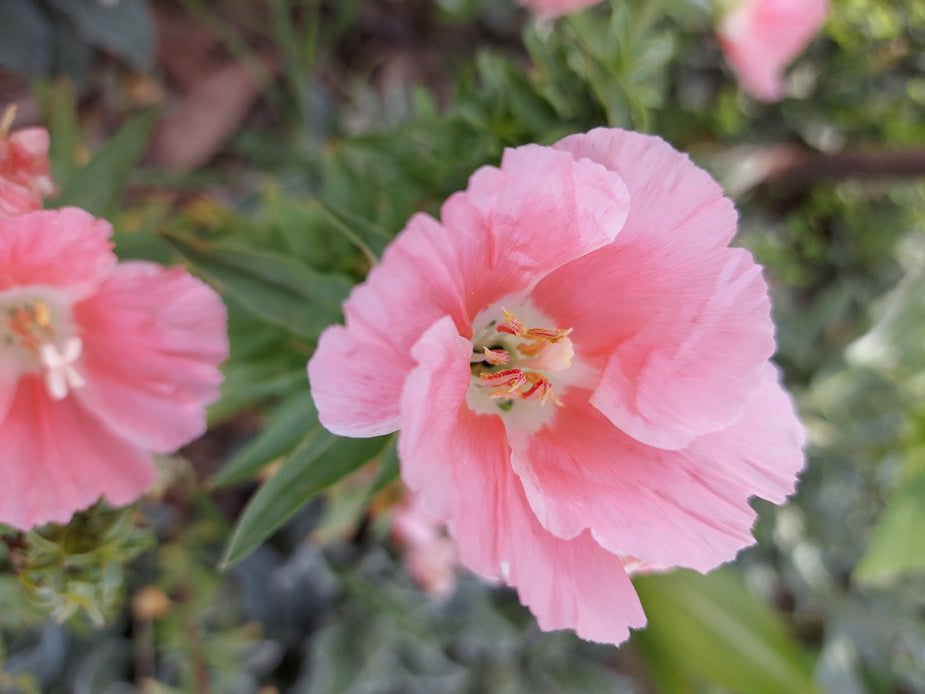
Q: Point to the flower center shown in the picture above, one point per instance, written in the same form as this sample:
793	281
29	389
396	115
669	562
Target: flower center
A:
37	334
513	361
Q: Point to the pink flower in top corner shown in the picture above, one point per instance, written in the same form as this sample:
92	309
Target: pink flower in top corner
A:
577	364
101	365
557	8
430	554
25	174
761	37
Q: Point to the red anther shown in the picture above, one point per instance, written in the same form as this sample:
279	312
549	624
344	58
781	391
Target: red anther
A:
496	356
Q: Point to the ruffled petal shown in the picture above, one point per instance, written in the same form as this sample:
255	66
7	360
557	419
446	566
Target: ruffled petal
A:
675	205
58	459
678	322
65	248
665	508
459	464
512	226
692	366
153	339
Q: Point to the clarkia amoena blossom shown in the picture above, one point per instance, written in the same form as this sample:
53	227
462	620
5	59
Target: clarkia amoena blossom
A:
101	365
577	365
25	175
761	37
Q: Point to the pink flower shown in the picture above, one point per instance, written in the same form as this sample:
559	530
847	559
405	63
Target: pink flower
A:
578	366
101	364
761	37
430	554
557	8
25	175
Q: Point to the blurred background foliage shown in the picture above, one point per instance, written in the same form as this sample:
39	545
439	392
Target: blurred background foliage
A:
276	147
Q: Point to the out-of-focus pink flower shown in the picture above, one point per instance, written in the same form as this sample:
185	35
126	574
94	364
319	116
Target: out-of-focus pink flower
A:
578	366
25	174
101	364
430	554
557	8
761	37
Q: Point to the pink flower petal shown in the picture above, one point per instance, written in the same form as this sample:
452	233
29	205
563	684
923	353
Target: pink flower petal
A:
365	404
664	508
690	369
79	258
460	463
16	199
513	225
152	339
58	458
679	323
761	37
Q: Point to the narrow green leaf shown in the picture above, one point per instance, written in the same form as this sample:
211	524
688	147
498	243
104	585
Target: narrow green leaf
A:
389	469
296	419
711	628
896	544
97	187
59	110
274	287
319	462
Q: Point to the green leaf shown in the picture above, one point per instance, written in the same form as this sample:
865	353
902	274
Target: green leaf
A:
59	110
284	429
711	628
319	462
389	469
97	187
896	544
274	287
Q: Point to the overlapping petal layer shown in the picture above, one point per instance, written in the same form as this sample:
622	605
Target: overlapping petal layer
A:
511	227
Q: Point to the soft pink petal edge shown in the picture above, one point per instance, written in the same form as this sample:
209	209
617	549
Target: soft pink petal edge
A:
153	339
66	249
665	508
58	459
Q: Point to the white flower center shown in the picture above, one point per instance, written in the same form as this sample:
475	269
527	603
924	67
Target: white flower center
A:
38	335
520	364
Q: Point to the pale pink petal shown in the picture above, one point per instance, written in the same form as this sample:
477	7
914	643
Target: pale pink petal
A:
460	464
663	508
16	199
65	248
675	205
363	404
58	459
761	37
690	369
511	227
679	323
556	8
153	338
766	444
34	143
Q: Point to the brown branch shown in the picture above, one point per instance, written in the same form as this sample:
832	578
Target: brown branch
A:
794	166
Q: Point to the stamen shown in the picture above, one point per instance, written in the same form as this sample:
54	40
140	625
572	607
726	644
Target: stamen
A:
496	356
505	382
